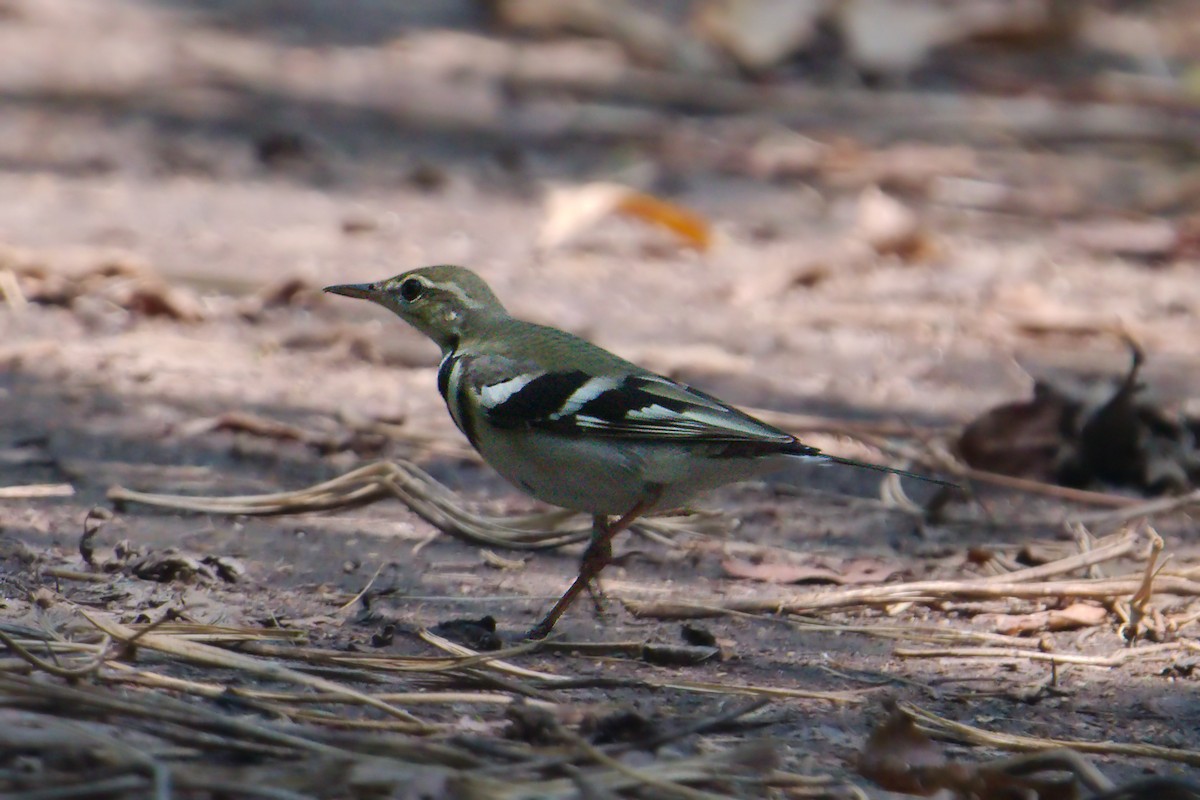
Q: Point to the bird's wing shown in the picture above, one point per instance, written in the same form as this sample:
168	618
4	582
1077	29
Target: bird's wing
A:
513	393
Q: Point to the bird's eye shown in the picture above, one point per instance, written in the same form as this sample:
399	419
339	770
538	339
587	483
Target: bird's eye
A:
411	289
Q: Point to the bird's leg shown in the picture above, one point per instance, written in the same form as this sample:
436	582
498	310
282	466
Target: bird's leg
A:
595	559
599	551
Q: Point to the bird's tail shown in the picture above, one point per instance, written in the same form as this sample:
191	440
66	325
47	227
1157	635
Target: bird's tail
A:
850	462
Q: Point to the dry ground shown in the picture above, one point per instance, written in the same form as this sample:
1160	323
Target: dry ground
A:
155	140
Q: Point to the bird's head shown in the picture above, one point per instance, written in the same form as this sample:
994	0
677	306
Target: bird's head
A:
442	302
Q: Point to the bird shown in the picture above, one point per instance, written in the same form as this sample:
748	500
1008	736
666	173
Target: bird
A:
574	425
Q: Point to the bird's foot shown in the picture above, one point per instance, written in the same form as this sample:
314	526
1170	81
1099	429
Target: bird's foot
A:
600	603
597	556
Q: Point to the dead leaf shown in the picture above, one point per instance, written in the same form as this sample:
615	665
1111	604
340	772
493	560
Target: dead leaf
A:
255	425
854	571
572	210
243	422
900	758
1092	433
1073	617
891	228
166	566
907	167
647	37
477	634
77	278
785	154
759	34
1023	438
228	569
893	37
289	291
154	298
1146	239
675	655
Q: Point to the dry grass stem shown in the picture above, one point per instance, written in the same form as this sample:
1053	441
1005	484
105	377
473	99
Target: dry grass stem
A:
1150	653
1136	610
212	656
926	592
35	491
403	480
935	725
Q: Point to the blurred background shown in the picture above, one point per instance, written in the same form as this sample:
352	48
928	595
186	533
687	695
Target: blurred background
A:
909	208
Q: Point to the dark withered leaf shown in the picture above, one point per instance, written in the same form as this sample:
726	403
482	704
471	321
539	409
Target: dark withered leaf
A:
477	634
1090	436
668	655
1023	438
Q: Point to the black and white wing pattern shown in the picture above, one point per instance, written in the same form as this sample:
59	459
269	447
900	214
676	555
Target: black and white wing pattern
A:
511	393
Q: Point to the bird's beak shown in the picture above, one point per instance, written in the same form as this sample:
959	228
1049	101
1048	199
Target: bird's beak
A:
363	291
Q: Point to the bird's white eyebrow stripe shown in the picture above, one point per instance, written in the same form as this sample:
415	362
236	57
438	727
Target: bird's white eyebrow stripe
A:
589	391
450	287
497	393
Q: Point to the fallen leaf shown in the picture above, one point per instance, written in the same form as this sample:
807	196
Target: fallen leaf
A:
572	210
1073	617
165	566
759	34
477	634
673	655
893	37
1024	438
76	278
900	758
1088	434
153	298
854	571
244	422
1146	239
891	228
648	38
785	154
686	224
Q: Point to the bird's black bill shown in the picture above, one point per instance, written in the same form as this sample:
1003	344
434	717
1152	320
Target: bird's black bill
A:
363	291
850	462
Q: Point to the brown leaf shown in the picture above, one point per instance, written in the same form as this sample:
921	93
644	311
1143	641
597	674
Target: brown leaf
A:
673	655
1023	438
117	279
153	298
244	422
900	758
1147	239
1073	617
855	571
647	37
759	34
893	37
572	210
689	226
892	228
